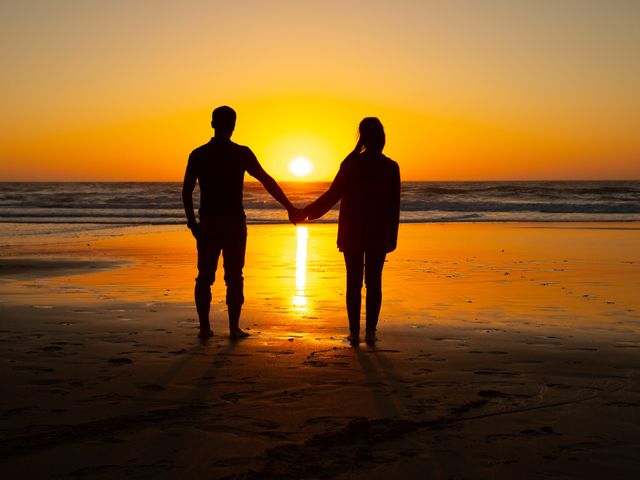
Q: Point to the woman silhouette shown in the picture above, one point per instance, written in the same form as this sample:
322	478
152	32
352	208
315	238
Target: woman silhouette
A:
368	185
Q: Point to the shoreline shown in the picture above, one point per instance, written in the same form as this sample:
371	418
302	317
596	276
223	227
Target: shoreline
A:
27	233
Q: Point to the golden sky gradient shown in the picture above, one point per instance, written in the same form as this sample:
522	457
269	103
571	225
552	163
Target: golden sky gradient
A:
467	90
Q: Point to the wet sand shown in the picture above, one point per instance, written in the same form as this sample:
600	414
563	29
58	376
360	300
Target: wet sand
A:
506	350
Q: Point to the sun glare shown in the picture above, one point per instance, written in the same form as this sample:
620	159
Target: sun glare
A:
300	166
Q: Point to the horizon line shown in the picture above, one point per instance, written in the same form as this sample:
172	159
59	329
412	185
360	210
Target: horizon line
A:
251	180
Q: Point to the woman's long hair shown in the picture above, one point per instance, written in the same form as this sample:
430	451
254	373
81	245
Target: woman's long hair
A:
371	136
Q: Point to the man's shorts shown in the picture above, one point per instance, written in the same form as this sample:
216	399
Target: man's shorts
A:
226	235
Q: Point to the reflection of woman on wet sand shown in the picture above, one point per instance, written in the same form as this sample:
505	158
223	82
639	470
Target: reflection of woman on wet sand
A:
368	185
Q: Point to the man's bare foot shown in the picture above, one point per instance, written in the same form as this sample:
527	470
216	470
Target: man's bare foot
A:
354	338
238	333
206	333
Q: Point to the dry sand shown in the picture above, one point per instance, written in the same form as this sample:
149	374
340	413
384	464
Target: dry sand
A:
506	350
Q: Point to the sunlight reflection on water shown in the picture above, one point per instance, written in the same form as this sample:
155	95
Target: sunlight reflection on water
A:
299	299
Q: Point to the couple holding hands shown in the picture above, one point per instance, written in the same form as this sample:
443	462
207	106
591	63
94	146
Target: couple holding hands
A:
367	186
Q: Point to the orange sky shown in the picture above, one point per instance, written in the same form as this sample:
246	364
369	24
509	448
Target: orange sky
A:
122	90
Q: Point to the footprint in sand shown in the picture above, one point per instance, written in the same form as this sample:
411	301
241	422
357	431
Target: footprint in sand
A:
232	461
120	361
235	397
624	404
495	352
470	405
48	381
151	387
495	371
315	363
276	352
493	394
35	369
265	424
178	352
52	348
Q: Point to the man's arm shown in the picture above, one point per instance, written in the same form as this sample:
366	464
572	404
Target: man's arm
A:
188	185
271	186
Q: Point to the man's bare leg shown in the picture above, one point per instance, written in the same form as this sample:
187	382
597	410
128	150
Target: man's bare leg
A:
234	322
202	295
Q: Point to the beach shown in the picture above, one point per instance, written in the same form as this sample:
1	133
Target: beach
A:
506	349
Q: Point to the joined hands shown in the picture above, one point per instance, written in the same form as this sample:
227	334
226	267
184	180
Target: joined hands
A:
297	215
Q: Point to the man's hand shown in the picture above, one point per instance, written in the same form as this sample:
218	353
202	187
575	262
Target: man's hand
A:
297	215
195	229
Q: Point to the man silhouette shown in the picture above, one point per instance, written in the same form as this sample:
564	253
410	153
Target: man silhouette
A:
219	166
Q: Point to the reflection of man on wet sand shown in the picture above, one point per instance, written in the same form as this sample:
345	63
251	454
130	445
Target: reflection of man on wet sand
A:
219	166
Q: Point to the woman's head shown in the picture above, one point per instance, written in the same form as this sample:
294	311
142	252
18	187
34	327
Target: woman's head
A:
372	138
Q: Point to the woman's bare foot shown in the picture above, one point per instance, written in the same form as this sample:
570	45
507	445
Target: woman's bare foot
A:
370	337
354	338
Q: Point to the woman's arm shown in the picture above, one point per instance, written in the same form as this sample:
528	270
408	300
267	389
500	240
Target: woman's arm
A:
328	199
394	210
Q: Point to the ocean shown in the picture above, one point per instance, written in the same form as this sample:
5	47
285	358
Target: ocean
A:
78	206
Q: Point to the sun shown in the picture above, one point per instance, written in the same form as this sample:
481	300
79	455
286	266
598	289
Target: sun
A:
300	166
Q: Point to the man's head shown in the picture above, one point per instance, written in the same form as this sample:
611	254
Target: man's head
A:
223	121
